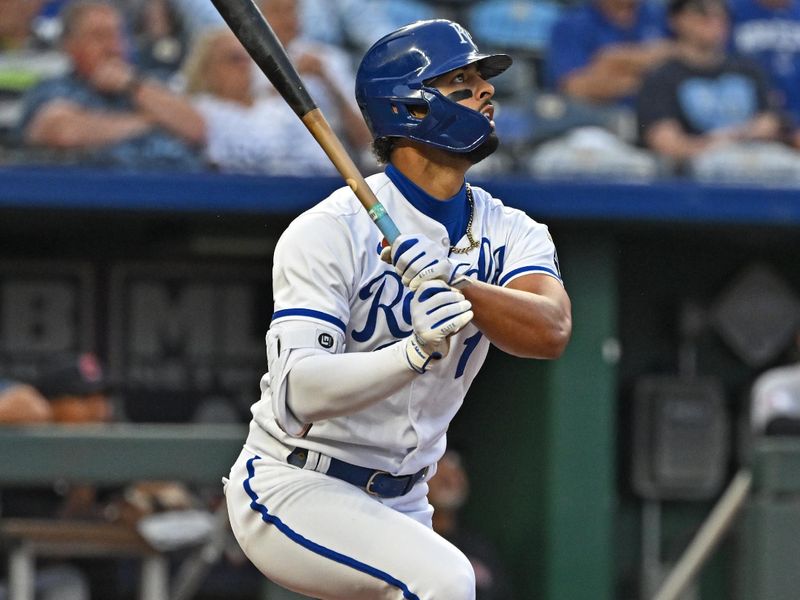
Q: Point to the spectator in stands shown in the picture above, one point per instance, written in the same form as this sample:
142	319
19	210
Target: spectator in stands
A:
448	491
21	403
356	24
326	70
16	18
250	128
161	41
104	112
600	51
25	59
72	390
703	98
769	32
246	133
196	16
78	392
352	25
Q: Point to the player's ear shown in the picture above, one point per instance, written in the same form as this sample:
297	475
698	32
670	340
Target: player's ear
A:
418	111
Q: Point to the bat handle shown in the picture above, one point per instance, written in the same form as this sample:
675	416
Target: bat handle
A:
319	127
384	222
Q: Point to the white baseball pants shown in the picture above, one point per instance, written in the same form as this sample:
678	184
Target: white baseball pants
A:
325	538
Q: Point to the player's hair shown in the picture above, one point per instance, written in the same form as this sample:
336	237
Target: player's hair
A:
195	68
382	149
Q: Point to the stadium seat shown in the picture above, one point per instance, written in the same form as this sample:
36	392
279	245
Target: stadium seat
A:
402	13
519	27
522	25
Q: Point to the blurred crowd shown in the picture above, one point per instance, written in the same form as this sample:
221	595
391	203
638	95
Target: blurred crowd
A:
636	89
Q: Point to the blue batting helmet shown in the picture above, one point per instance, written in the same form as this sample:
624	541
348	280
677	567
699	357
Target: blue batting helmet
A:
393	77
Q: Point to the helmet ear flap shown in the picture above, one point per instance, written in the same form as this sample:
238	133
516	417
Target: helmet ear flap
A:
450	125
414	110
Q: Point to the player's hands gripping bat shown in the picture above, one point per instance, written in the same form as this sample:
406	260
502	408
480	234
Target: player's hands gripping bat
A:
417	258
437	312
248	24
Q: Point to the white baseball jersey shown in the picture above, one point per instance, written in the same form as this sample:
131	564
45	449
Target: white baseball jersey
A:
265	137
328	273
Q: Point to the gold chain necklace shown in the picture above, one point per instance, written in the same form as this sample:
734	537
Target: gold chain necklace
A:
473	243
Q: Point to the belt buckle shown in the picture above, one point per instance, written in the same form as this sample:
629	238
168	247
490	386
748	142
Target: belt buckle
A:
371	480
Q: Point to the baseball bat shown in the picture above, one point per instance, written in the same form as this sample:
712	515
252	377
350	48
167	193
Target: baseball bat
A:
256	35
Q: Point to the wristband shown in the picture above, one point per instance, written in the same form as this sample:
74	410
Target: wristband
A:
418	357
461	282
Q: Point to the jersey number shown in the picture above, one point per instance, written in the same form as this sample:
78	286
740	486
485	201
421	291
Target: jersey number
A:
469	346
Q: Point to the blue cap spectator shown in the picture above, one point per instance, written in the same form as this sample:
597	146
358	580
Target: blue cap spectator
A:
599	51
769	32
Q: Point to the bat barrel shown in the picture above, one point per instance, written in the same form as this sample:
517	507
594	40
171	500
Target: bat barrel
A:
321	130
256	35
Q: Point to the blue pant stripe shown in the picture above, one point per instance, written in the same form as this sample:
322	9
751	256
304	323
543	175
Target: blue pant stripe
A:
313	546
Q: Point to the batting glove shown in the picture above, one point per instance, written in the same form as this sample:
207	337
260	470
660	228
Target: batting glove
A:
417	258
437	312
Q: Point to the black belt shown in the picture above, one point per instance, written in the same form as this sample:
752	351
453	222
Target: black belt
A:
376	483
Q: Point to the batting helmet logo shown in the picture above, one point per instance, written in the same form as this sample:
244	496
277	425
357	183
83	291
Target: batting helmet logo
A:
463	34
392	84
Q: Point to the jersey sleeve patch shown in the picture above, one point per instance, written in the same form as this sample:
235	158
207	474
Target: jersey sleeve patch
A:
287	343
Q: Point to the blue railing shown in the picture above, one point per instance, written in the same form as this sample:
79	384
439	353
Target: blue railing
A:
669	201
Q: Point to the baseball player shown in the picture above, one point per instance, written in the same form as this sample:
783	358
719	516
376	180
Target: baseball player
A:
372	349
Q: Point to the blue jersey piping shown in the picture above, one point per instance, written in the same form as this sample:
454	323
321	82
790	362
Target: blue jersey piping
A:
313	546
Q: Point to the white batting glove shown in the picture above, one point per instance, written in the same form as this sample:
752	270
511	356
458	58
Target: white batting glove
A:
437	312
417	258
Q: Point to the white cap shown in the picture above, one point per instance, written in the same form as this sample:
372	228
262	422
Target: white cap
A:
776	394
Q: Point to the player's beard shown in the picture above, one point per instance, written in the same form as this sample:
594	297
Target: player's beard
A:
487	148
